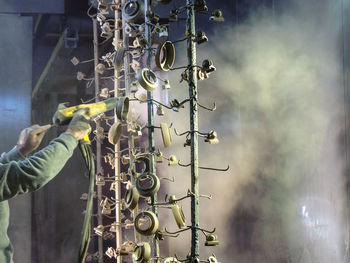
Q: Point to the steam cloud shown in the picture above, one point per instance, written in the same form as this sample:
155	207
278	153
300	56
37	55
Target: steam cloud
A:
279	92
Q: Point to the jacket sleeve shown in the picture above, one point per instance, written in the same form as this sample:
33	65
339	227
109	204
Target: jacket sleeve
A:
13	155
37	170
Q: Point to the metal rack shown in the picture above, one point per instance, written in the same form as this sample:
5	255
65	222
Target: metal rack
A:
133	20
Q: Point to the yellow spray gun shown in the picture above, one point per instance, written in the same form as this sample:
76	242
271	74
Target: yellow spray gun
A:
64	114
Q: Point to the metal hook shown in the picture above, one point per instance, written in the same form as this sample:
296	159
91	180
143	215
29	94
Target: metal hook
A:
181	134
206	108
161	233
150	100
205	231
172	179
206	168
215	169
177	232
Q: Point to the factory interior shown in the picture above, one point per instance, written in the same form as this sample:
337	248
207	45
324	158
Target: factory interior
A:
228	138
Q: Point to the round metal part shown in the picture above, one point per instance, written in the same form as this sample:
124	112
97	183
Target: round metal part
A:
165	56
166	135
146	223
213	259
171	260
179	216
211	240
146	163
114	133
119	57
131	198
147	184
142	253
133	11
147	79
122	109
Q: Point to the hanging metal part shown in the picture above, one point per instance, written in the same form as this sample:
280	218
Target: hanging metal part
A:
133	87
165	56
166	135
179	216
131	198
146	223
201	37
106	31
114	133
211	240
200	6
119	58
133	11
217	16
147	184
166	84
103	7
160	111
122	108
142	253
147	79
208	66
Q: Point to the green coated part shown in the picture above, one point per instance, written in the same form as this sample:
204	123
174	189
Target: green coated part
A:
144	218
147	184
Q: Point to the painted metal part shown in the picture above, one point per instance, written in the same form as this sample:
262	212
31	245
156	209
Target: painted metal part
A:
142	253
114	133
179	216
151	188
122	109
147	79
166	135
133	11
153	220
211	240
131	198
165	56
146	168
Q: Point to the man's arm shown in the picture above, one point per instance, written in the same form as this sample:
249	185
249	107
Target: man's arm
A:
12	155
35	171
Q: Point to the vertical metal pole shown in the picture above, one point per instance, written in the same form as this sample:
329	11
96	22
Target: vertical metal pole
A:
191	53
131	141
118	43
148	36
98	143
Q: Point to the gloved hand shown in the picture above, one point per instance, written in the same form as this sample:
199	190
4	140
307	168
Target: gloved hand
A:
79	126
30	138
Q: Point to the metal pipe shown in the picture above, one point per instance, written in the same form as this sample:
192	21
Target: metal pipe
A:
98	143
151	141
191	52
118	43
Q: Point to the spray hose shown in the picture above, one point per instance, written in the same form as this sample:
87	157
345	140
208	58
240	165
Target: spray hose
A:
86	151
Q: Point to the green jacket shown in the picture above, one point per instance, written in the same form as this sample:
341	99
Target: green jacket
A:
19	176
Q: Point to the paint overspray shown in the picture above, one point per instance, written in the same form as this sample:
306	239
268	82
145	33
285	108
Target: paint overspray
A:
280	117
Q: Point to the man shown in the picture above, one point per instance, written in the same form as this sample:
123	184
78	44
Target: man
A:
20	174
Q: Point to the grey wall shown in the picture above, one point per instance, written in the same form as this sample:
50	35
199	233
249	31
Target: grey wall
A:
15	103
32	6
